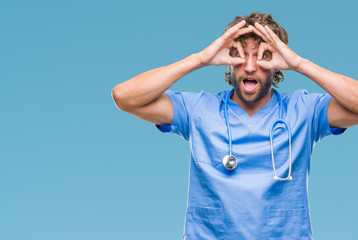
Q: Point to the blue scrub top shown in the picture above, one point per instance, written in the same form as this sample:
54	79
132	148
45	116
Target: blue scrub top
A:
247	203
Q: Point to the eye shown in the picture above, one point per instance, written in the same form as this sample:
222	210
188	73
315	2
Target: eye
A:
234	52
267	56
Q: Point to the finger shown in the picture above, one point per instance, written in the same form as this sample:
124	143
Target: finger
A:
240	24
272	34
236	61
262	48
243	31
267	33
264	64
258	33
265	48
263	31
229	33
240	48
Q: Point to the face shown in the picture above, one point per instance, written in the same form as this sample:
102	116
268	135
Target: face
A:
251	82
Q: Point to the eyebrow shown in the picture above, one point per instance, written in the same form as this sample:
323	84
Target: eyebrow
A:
256	47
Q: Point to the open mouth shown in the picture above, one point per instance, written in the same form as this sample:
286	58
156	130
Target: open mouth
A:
249	84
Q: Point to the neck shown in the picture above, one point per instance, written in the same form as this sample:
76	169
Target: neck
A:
252	108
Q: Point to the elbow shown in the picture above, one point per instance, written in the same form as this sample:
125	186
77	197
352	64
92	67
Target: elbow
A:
118	98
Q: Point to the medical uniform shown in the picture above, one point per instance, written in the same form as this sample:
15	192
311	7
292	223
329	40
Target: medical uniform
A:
247	203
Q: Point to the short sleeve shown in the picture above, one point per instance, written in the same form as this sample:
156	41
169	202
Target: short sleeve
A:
183	104
317	105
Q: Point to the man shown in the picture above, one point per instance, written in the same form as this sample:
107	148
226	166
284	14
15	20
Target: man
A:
261	198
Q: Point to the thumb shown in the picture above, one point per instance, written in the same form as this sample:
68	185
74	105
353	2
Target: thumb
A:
236	61
264	64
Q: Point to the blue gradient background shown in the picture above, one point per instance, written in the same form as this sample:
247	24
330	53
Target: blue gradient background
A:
73	166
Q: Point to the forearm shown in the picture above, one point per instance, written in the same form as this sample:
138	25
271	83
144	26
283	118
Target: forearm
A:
148	86
342	88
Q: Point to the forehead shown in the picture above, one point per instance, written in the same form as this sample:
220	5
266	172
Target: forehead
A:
250	43
250	46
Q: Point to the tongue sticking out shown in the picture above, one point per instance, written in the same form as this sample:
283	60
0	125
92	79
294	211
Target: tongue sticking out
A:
250	84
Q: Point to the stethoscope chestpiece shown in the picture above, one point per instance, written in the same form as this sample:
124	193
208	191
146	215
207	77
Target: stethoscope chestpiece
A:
229	162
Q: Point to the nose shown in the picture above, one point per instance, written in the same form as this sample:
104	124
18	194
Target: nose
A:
250	64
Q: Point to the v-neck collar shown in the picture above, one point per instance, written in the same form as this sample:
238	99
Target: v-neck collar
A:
243	116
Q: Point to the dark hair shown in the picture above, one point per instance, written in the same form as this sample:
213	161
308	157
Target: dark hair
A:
263	19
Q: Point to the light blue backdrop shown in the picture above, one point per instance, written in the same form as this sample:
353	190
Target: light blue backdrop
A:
73	166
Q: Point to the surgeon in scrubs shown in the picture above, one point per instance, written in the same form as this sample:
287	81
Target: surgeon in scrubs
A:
263	194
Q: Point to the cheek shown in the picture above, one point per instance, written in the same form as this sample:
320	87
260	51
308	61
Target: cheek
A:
265	72
271	75
267	75
238	70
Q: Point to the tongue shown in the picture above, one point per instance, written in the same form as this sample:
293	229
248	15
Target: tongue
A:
250	84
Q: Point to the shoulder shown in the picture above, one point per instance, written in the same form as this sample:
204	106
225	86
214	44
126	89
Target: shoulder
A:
300	93
302	100
303	96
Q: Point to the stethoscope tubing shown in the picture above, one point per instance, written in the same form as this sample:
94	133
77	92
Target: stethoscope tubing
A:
280	120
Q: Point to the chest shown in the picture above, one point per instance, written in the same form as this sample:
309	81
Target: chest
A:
250	137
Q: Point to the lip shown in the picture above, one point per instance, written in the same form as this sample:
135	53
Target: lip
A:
250	78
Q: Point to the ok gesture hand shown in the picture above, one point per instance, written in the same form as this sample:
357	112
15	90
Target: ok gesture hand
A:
218	53
283	58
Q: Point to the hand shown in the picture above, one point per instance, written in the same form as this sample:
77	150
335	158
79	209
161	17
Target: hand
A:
218	53
283	58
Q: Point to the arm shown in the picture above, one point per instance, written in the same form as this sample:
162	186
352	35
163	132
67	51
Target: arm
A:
143	95
343	107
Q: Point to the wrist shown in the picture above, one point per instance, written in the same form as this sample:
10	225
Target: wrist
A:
200	59
301	65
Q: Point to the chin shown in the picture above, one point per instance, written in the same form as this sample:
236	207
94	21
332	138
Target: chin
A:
252	97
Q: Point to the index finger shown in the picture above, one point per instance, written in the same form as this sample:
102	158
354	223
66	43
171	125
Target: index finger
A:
262	48
231	31
272	34
265	35
240	49
244	31
258	33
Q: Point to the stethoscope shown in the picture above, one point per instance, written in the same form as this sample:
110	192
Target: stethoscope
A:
230	161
